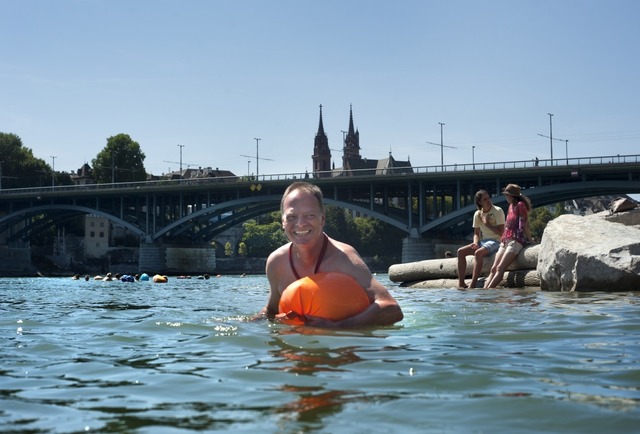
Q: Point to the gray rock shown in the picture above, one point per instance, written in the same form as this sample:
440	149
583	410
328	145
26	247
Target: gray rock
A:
600	252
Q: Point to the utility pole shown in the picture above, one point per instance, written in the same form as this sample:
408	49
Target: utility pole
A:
257	157
53	171
473	156
551	139
181	146
551	135
442	146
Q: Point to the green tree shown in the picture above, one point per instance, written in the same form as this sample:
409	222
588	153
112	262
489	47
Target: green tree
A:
540	217
121	160
261	240
339	225
18	166
228	249
242	249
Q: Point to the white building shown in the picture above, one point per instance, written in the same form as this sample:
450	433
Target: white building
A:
96	236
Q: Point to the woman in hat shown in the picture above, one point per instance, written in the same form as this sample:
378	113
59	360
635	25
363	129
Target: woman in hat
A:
514	236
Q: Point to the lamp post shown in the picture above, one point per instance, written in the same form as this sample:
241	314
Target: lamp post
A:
248	168
53	171
566	150
257	157
113	167
181	146
441	146
473	156
551	135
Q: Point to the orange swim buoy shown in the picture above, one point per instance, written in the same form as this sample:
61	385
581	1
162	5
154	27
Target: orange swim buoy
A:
160	278
334	296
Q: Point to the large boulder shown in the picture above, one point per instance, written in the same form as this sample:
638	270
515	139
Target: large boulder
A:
600	252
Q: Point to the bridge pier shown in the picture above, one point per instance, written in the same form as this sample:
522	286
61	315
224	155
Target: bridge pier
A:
151	259
168	259
417	249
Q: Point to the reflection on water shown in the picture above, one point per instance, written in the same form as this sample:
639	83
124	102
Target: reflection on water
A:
182	357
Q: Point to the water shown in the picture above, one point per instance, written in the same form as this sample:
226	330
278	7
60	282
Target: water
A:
182	357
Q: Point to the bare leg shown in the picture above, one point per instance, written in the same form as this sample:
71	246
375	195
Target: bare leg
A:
463	252
494	267
478	259
505	261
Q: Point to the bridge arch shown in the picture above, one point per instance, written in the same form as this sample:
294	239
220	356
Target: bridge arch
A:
56	211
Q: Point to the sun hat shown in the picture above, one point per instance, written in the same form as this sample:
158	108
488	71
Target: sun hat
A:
512	190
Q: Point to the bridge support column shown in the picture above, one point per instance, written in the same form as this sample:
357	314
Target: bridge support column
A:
152	258
162	258
415	249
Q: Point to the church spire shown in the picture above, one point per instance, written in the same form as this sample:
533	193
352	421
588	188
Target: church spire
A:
321	152
351	142
320	126
351	129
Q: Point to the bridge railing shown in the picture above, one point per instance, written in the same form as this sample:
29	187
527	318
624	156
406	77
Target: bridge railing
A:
448	168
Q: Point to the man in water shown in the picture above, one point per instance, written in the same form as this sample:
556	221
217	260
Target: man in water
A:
311	251
488	225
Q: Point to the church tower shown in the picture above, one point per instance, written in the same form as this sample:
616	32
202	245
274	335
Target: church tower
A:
351	142
321	152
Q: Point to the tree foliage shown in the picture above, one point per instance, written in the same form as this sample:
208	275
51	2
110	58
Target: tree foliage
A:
20	168
262	239
340	225
540	217
121	160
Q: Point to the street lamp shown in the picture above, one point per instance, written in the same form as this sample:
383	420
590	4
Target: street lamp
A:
473	156
566	150
257	157
441	146
113	167
551	135
53	171
181	146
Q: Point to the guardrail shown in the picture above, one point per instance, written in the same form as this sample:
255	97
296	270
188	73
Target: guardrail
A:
449	168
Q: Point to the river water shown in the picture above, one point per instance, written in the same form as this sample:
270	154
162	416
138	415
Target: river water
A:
179	357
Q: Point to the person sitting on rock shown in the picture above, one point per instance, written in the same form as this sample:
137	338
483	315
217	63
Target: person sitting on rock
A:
515	236
488	225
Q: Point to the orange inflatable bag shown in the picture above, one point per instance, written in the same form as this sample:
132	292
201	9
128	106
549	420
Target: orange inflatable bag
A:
334	296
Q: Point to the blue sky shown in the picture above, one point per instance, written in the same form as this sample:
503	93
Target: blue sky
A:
214	75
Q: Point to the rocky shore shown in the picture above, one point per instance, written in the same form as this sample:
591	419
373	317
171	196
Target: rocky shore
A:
599	252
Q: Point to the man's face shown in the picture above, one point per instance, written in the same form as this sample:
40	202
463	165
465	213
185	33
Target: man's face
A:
485	202
302	217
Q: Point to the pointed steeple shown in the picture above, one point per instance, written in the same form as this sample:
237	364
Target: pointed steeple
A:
351	142
321	152
351	129
320	126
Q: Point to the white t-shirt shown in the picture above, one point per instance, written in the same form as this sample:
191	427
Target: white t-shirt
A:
495	217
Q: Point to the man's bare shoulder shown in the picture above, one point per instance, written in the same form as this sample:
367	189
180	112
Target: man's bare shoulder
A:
278	256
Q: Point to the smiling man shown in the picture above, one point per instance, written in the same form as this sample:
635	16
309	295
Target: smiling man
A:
311	251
